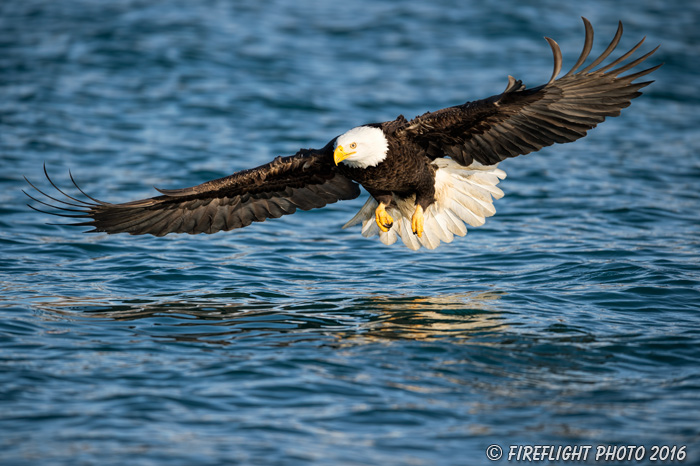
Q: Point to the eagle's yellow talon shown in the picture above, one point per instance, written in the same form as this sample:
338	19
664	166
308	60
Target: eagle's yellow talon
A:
417	221
383	219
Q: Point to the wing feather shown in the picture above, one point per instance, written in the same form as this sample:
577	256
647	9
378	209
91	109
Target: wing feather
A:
520	120
304	181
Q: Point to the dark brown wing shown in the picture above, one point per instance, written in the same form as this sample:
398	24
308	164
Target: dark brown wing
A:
521	121
304	181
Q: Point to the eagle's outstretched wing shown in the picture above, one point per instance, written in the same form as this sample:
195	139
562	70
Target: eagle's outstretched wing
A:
303	181
520	121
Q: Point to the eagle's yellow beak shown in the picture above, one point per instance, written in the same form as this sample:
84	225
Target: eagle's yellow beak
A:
339	154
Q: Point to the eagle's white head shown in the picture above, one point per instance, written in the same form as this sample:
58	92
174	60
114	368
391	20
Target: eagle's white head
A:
361	147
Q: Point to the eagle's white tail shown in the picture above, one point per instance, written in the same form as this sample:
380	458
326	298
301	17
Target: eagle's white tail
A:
462	194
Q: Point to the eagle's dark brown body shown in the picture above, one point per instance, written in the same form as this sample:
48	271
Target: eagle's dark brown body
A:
416	175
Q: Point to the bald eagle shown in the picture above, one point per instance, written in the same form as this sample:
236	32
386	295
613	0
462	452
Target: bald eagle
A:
426	177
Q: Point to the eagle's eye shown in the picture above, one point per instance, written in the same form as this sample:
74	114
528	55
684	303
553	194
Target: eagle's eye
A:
353	145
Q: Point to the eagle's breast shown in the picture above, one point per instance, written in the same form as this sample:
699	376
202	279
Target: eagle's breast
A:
405	169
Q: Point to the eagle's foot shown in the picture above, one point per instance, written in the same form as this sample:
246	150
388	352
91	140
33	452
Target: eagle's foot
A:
384	220
417	221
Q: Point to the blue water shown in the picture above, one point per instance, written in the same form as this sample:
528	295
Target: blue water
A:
571	318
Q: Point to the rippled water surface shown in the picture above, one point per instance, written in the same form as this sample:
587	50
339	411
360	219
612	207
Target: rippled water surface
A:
570	318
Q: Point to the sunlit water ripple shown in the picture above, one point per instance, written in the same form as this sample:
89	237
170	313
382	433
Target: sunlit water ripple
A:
570	318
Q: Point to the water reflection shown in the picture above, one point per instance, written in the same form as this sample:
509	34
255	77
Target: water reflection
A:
424	318
347	321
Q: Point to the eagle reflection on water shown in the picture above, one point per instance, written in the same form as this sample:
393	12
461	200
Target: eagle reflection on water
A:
361	320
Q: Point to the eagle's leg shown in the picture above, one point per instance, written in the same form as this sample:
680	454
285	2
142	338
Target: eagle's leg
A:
384	220
417	221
